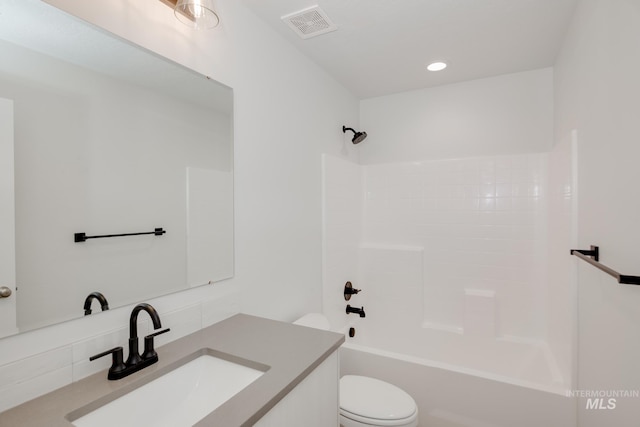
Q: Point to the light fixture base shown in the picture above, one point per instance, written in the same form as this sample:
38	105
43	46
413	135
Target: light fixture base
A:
197	14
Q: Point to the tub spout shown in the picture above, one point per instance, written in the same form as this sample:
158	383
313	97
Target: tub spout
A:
356	310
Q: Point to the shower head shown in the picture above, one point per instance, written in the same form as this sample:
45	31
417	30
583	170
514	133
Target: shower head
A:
358	137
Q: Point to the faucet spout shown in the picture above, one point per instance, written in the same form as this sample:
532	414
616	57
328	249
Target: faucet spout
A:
133	320
134	355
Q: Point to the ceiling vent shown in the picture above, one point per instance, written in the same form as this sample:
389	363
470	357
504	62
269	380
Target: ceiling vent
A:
309	22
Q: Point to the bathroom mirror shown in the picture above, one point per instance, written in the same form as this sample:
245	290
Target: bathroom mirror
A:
109	139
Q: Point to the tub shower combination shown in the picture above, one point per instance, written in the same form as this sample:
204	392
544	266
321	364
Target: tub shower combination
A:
452	257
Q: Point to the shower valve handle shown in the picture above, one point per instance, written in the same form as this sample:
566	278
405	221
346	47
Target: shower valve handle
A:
349	290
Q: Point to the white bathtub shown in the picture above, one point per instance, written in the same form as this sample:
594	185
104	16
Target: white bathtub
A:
449	395
527	363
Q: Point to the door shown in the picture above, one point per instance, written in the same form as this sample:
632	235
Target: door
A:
8	324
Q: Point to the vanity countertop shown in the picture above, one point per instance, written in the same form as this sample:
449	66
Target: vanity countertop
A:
290	351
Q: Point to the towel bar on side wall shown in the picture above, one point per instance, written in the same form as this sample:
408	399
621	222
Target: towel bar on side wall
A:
592	256
82	237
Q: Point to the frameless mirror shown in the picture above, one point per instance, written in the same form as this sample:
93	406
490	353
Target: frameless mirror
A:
107	139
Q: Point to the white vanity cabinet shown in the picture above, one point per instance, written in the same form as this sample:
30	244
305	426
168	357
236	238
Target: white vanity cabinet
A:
312	403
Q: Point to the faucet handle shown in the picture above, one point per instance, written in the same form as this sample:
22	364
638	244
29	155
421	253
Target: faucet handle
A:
350	290
117	364
149	351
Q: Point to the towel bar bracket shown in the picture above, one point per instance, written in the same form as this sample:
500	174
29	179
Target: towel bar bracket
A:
594	252
629	280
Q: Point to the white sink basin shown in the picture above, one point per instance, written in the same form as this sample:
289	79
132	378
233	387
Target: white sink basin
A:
180	397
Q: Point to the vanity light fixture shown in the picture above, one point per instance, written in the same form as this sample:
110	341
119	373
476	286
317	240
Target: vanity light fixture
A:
197	14
437	66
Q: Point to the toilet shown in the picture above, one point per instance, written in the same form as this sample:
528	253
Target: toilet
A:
366	401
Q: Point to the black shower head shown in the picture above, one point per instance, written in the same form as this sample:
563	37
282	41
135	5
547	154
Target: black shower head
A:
358	137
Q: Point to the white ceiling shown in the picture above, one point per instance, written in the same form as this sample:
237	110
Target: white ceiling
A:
383	46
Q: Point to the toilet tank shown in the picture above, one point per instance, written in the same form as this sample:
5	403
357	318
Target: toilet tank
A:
314	320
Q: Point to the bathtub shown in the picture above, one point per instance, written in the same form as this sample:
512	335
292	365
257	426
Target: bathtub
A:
476	393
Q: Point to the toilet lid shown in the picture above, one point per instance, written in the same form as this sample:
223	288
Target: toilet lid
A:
372	398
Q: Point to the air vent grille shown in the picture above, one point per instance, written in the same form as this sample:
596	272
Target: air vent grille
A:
309	22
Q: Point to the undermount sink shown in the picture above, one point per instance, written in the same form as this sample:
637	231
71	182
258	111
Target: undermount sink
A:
180	397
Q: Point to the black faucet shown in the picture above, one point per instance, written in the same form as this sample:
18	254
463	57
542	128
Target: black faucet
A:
104	304
134	356
135	361
359	311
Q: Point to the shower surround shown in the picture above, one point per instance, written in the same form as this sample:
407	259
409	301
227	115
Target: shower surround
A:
479	225
452	259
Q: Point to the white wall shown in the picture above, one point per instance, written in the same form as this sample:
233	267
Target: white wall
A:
508	114
561	298
287	112
342	231
597	92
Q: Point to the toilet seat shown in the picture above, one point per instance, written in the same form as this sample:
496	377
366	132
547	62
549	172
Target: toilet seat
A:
364	421
374	402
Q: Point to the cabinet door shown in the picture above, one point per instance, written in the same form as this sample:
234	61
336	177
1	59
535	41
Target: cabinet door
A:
7	220
313	403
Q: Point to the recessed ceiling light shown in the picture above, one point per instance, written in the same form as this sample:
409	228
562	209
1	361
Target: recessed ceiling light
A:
436	66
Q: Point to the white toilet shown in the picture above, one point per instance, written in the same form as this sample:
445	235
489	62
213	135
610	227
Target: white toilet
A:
366	401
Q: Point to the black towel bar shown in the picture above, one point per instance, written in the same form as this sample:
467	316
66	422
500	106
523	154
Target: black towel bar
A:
82	237
592	256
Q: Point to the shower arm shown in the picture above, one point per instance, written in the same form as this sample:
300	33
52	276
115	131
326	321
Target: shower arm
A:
344	129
